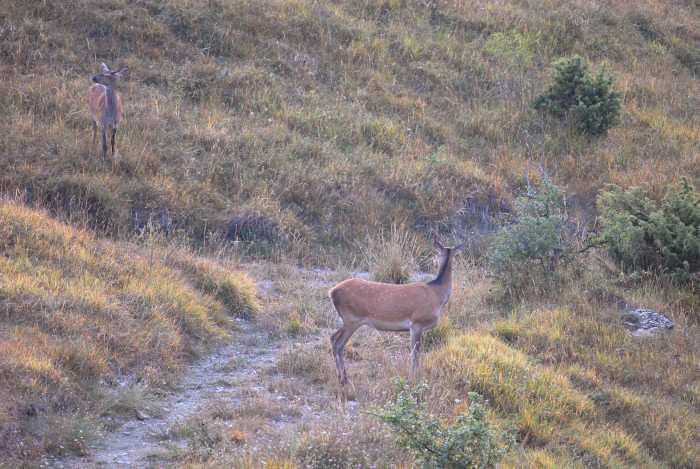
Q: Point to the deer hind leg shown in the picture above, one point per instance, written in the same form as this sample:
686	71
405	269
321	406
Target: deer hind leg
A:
94	133
338	341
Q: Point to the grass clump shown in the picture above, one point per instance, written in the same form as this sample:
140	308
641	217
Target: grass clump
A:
234	289
310	364
537	396
237	292
392	258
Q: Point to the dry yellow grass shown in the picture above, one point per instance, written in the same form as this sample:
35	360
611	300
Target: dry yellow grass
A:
81	314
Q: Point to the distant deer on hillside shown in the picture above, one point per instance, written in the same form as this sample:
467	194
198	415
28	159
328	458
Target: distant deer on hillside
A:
105	106
415	307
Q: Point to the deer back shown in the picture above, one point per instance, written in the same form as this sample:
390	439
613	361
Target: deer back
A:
385	303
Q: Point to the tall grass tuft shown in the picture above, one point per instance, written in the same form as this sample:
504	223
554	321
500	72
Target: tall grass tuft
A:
392	257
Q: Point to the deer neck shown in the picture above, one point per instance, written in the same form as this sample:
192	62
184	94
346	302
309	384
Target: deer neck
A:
442	284
111	95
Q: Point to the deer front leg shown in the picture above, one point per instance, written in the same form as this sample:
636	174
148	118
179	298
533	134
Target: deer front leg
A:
114	133
416	334
338	341
104	144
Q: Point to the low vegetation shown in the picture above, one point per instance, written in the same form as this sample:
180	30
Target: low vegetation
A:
391	257
470	441
646	236
536	250
591	100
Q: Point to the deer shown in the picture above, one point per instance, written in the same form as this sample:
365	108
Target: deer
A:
414	307
105	105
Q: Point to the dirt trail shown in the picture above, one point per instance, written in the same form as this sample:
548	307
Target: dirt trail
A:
136	443
238	375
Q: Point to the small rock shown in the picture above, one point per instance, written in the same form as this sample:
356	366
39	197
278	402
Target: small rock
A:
352	407
641	322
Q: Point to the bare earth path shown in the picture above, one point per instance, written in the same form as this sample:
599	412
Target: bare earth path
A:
240	375
139	443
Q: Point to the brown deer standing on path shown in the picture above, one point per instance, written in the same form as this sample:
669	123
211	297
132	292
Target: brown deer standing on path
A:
105	105
415	307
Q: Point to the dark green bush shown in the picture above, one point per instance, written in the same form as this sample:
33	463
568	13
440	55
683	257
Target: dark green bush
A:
644	236
471	441
569	75
590	99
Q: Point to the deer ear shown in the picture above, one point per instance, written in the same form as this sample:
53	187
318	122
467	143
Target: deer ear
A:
122	71
436	244
458	249
105	68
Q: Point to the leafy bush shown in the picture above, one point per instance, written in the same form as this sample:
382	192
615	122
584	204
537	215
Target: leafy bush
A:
471	441
644	236
590	99
537	243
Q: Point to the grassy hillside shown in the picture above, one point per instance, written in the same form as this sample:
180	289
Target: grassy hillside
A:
90	328
299	132
304	123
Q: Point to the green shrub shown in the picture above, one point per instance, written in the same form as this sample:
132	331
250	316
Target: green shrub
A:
590	99
471	441
561	95
531	250
644	236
